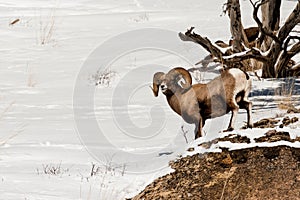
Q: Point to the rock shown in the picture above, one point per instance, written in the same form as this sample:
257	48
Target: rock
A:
191	149
265	173
226	162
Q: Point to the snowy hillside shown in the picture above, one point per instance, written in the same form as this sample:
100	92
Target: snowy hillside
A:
78	119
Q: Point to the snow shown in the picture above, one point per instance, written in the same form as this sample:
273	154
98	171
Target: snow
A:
136	134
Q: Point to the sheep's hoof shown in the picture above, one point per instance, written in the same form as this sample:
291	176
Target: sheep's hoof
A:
229	129
250	126
197	136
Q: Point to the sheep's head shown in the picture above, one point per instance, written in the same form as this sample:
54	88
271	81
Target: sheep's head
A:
177	79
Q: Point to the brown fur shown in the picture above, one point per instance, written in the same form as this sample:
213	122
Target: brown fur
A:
196	103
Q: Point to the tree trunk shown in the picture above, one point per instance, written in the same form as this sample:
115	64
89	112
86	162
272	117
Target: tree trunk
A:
238	33
270	10
236	27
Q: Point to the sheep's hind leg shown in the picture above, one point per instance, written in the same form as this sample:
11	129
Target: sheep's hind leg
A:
248	106
234	110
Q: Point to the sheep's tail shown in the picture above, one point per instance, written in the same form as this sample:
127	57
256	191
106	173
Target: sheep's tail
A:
247	75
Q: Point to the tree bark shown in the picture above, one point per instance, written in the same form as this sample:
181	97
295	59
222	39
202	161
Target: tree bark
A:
236	27
270	11
281	55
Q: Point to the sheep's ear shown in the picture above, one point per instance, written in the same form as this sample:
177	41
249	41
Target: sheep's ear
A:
157	79
181	82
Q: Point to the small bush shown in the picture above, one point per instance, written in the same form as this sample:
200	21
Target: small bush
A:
47	28
52	169
103	78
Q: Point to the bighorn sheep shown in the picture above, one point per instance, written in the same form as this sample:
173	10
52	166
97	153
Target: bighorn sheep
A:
198	102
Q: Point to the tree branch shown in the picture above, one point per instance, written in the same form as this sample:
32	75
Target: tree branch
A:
287	55
204	42
250	54
287	41
290	23
218	54
263	30
294	50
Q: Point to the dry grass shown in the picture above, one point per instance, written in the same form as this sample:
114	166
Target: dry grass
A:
4	141
143	17
285	104
103	173
31	79
286	92
6	109
46	29
13	133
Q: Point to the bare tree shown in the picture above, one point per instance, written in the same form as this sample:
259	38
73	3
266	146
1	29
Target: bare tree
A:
267	45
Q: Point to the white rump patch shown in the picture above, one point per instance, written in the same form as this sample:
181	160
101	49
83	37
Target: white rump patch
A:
235	72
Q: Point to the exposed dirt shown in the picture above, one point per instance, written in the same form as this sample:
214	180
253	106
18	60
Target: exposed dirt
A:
265	123
236	139
231	138
275	136
293	109
273	122
253	173
286	121
270	136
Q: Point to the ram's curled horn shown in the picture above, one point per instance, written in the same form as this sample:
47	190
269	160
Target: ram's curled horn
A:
185	79
157	79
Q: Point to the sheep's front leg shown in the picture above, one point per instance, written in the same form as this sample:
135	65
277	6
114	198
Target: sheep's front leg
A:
198	129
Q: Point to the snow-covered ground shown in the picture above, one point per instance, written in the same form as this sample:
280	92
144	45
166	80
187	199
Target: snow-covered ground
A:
61	136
